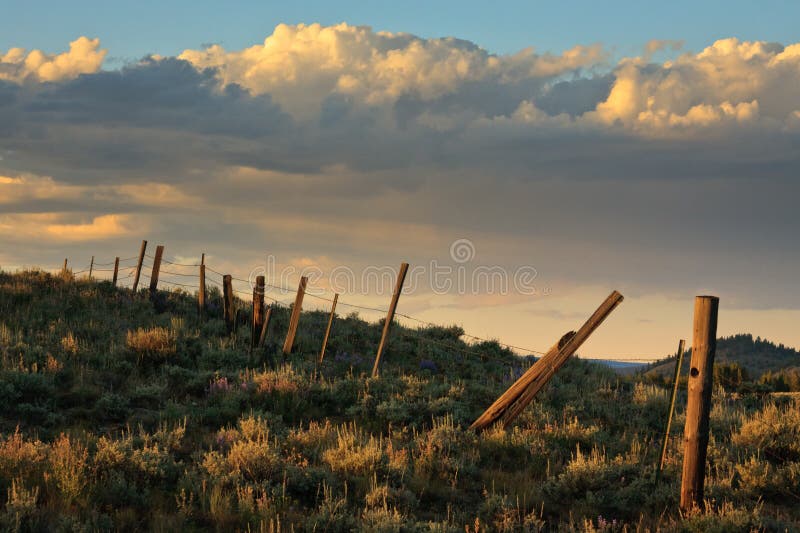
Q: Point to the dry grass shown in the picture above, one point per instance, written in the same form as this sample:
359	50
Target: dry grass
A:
151	343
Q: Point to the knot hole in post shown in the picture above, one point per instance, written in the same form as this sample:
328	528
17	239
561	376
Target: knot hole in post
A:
694	372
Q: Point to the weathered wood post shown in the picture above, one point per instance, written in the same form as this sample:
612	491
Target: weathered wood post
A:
201	291
65	266
294	320
401	277
264	327
116	271
511	403
258	311
227	301
328	329
91	267
139	266
156	269
701	380
678	363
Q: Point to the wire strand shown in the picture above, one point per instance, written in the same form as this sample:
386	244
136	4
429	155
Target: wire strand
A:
181	264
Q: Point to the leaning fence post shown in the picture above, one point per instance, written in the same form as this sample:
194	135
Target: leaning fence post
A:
328	329
678	363
227	301
116	271
201	292
511	403
91	267
156	269
401	276
698	407
139	265
258	311
264	326
294	320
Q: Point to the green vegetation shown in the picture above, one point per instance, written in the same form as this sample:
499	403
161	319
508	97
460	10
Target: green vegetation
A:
114	417
742	359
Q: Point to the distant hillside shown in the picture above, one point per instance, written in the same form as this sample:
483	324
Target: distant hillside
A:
620	367
755	355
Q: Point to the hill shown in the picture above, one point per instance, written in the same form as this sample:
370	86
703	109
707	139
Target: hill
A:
120	415
756	356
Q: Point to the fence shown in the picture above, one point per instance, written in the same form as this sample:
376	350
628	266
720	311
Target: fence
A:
506	408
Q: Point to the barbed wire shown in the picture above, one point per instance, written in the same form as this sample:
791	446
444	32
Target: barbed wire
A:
210	280
180	274
462	349
181	264
465	334
178	284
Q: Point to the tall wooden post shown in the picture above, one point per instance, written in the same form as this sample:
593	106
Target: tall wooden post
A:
91	267
678	363
294	320
156	269
328	329
264	327
65	266
116	271
139	266
201	292
401	277
701	380
258	311
227	301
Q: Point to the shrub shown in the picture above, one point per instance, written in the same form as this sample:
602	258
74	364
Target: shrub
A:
68	467
112	407
355	453
151	344
20	507
774	431
20	458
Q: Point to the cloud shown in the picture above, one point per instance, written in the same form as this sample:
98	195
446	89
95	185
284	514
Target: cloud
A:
731	82
102	227
57	227
301	66
28	187
84	57
365	146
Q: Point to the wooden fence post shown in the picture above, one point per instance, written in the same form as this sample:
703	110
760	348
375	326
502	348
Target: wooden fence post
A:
201	292
156	269
65	266
91	267
328	329
698	407
258	311
139	266
401	277
294	320
264	327
227	301
678	363
116	271
511	403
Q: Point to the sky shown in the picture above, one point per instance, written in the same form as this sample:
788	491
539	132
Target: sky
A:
525	161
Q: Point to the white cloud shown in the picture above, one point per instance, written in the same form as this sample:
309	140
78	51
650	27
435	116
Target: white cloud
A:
84	57
730	82
302	65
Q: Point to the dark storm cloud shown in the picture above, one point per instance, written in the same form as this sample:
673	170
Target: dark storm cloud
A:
601	180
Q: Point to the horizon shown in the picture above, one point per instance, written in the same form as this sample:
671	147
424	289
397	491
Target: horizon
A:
663	166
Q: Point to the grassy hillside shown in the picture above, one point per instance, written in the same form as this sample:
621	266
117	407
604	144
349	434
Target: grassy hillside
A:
755	355
118	417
